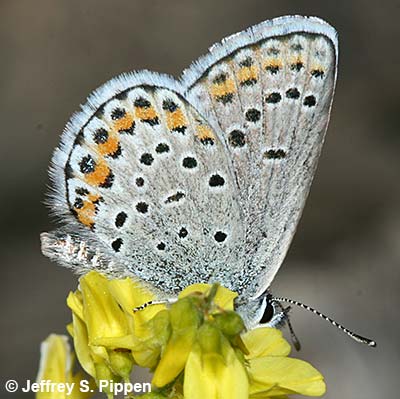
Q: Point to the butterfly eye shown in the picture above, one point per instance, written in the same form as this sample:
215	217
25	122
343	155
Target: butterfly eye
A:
268	312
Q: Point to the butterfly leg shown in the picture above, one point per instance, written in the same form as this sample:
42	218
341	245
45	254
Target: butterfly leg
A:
167	301
282	318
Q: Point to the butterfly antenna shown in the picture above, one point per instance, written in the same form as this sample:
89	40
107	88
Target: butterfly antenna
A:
293	336
351	334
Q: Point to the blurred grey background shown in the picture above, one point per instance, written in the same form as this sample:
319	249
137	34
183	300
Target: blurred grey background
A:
345	259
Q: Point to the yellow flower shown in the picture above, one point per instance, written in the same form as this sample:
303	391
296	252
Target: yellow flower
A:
213	369
272	373
56	364
108	336
184	322
100	329
196	348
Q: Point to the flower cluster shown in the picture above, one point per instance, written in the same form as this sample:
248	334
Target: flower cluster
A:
195	348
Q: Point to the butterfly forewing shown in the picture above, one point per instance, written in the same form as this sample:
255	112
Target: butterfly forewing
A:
269	99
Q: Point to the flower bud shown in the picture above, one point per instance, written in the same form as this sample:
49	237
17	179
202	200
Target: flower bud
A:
104	373
229	322
209	338
121	362
185	319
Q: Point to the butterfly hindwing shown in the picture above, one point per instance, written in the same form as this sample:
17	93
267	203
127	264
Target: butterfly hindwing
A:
147	177
267	92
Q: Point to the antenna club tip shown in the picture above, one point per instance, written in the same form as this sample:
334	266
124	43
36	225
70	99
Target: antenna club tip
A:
351	334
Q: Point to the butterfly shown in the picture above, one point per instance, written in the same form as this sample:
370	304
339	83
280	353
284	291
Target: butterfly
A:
201	178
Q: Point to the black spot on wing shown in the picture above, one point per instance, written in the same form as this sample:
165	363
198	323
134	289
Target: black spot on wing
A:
142	207
220	236
236	138
247	62
293	93
310	101
108	182
142	103
175	197
117	113
78	204
87	164
81	191
297	66
317	73
169	105
146	159
275	154
183	232
273	98
248	82
116	244
100	136
161	148
216	181
139	181
189	162
219	79
225	98
179	129
161	246
116	153
151	121
120	219
253	115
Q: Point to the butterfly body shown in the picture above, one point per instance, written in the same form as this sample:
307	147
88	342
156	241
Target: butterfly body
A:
201	179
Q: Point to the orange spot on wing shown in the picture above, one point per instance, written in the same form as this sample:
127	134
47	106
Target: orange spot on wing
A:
221	89
318	69
86	213
273	63
94	197
99	175
110	146
124	123
297	60
175	119
247	73
203	132
145	113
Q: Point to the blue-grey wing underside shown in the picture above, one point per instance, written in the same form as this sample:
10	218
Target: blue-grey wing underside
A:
200	179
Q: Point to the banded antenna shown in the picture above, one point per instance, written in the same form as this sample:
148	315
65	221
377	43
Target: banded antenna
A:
351	334
293	336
